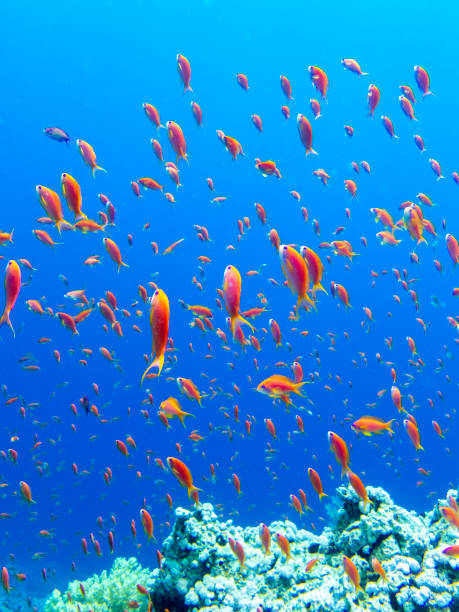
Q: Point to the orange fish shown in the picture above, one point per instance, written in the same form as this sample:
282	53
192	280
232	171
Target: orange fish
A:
305	132
378	568
5	579
171	408
423	80
353	66
147	523
265	537
72	194
6	237
352	573
369	425
184	70
297	275
452	247
315	268
413	433
114	252
267	168
373	99
182	473
341	451
12	288
316	483
177	140
233	146
152	113
26	492
51	203
319	80
243	81
89	156
232	296
159	324
149	183
197	113
284	545
188	388
286	87
280	387
358	487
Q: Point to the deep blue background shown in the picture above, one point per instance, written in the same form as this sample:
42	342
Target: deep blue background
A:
88	68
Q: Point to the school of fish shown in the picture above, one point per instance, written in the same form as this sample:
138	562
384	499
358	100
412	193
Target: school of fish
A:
234	322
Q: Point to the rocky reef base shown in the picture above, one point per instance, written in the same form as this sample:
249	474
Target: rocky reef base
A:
201	571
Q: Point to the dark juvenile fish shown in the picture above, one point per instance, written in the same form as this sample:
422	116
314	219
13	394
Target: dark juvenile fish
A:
57	134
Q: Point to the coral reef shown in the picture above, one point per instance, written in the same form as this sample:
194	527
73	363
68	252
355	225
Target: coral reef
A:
201	572
112	592
211	565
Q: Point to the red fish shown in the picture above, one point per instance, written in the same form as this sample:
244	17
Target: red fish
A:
159	324
197	113
153	114
373	98
319	80
232	296
389	126
88	155
423	80
184	70
353	66
305	132
182	473
243	81
12	288
286	87
177	140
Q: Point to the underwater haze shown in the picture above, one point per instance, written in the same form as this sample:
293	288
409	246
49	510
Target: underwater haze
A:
371	322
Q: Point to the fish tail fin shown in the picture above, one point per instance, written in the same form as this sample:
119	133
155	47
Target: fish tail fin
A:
80	216
6	319
182	417
297	387
394	136
422	239
94	168
156	363
59	223
238	320
122	264
304	301
319	287
364	73
322	495
187	88
389	428
191	489
428	93
311	152
201	397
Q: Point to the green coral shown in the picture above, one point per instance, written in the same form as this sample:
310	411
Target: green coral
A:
105	592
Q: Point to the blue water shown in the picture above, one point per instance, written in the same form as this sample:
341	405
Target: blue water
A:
88	68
